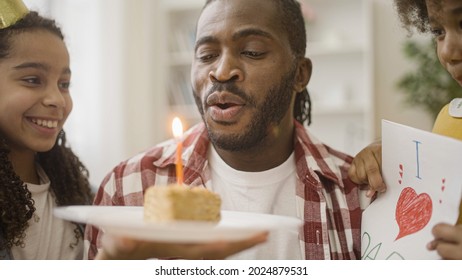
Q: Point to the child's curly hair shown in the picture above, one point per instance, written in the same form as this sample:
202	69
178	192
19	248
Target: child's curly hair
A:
68	176
413	14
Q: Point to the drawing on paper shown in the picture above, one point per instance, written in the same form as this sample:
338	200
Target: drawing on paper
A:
413	212
422	173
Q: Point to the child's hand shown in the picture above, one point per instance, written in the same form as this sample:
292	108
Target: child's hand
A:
447	242
366	168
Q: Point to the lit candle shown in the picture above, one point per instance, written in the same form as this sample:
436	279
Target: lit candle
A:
177	128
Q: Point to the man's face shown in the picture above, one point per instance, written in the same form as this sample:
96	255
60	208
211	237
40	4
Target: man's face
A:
243	72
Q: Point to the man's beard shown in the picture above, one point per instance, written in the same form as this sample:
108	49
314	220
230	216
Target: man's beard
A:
271	111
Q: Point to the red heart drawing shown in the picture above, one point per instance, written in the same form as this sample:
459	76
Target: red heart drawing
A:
413	212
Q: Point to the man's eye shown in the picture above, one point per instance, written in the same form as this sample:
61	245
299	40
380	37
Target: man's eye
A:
206	57
252	54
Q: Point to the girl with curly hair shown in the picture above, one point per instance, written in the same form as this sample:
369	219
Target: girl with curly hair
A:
443	20
38	171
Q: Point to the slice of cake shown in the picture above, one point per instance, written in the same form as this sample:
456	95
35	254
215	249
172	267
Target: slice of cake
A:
176	202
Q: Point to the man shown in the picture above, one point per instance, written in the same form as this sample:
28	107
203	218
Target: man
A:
249	78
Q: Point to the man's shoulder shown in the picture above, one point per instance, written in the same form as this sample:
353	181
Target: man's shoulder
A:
318	149
324	160
162	154
151	154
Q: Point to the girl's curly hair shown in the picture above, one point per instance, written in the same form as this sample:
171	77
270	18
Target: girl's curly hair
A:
68	176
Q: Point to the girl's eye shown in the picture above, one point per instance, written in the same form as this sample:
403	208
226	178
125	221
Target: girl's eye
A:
65	85
31	80
437	32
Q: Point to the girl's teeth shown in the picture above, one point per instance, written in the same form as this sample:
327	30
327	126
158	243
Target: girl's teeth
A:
44	123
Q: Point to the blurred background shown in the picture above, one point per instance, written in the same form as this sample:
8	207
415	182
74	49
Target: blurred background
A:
131	59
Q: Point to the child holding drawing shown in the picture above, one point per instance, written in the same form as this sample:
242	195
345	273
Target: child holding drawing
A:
442	19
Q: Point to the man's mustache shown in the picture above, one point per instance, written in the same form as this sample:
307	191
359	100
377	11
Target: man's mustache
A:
231	88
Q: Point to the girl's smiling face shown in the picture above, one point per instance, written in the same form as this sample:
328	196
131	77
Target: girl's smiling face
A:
34	91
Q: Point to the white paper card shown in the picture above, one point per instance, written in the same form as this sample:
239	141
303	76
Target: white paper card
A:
423	175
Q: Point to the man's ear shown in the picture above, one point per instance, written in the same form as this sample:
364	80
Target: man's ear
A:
303	75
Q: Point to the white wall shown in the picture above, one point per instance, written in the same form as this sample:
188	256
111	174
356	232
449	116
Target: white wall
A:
390	65
115	80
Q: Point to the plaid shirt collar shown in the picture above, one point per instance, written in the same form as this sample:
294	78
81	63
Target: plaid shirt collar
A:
196	143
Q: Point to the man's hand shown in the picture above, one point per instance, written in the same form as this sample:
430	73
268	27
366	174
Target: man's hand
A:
122	248
366	168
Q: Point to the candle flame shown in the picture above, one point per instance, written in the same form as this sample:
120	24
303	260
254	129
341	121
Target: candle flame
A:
177	127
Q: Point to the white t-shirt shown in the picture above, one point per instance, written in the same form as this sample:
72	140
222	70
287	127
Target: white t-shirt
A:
269	192
47	237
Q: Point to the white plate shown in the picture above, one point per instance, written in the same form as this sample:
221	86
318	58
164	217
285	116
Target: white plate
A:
128	221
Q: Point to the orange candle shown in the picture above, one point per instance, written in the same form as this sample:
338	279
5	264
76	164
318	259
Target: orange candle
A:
177	128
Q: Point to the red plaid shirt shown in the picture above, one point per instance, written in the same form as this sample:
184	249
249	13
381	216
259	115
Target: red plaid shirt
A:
329	203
